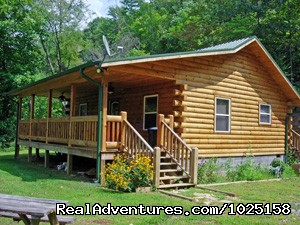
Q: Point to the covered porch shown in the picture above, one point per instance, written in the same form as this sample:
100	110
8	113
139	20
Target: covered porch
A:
102	120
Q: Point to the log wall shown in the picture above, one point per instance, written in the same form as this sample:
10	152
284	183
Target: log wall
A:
243	79
132	101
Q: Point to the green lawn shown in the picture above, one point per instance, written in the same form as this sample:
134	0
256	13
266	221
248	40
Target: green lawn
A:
18	177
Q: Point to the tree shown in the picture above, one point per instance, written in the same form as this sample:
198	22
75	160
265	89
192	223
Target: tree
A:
60	35
19	59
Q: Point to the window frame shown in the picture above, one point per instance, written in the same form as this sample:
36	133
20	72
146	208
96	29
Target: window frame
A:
83	108
228	115
147	113
262	113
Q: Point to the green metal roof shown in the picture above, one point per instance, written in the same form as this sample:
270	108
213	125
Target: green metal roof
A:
228	46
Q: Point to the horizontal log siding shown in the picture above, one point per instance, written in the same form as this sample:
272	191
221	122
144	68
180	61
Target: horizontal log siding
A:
132	101
244	80
91	101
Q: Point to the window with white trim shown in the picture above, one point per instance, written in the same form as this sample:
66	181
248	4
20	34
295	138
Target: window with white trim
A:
265	113
150	111
222	114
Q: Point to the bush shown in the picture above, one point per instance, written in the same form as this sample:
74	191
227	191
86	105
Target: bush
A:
291	157
245	171
209	171
288	172
125	175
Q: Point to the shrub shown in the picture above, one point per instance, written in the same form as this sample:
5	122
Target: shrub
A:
291	157
246	171
127	175
209	171
288	172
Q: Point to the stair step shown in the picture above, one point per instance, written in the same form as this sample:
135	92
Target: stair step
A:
173	177
169	170
167	164
176	185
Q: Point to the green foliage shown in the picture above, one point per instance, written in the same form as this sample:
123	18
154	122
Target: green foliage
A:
292	157
288	172
245	171
125	175
209	171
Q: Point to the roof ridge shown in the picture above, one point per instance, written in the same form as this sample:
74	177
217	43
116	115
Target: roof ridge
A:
229	45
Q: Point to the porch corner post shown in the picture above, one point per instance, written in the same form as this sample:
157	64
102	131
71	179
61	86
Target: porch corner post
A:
99	132
103	128
194	165
99	126
19	115
156	166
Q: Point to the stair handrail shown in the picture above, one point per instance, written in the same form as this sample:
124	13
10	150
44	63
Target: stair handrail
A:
140	141
177	136
186	158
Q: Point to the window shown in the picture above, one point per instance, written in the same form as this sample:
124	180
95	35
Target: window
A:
83	109
150	111
265	111
222	115
114	107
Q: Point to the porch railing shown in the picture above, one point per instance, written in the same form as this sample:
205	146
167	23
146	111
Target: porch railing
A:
73	131
185	157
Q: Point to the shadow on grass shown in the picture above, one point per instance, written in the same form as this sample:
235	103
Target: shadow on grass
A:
29	172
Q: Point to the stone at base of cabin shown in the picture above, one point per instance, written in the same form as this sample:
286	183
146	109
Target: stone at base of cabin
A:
296	168
143	190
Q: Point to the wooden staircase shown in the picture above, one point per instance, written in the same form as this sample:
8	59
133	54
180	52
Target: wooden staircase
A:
171	175
295	145
175	164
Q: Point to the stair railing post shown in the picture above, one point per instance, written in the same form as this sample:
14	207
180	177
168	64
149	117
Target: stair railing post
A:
156	166
160	119
123	130
171	122
194	165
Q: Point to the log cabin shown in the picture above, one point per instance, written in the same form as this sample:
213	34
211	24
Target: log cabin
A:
226	101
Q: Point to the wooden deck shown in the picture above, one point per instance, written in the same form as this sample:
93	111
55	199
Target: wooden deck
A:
71	133
172	158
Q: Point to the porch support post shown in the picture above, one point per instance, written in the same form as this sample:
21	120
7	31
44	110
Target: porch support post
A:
104	112
47	156
72	111
19	116
49	113
30	126
69	164
37	153
160	119
104	125
156	166
29	154
99	131
194	165
99	127
31	115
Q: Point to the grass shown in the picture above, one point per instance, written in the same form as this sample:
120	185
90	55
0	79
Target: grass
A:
18	177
